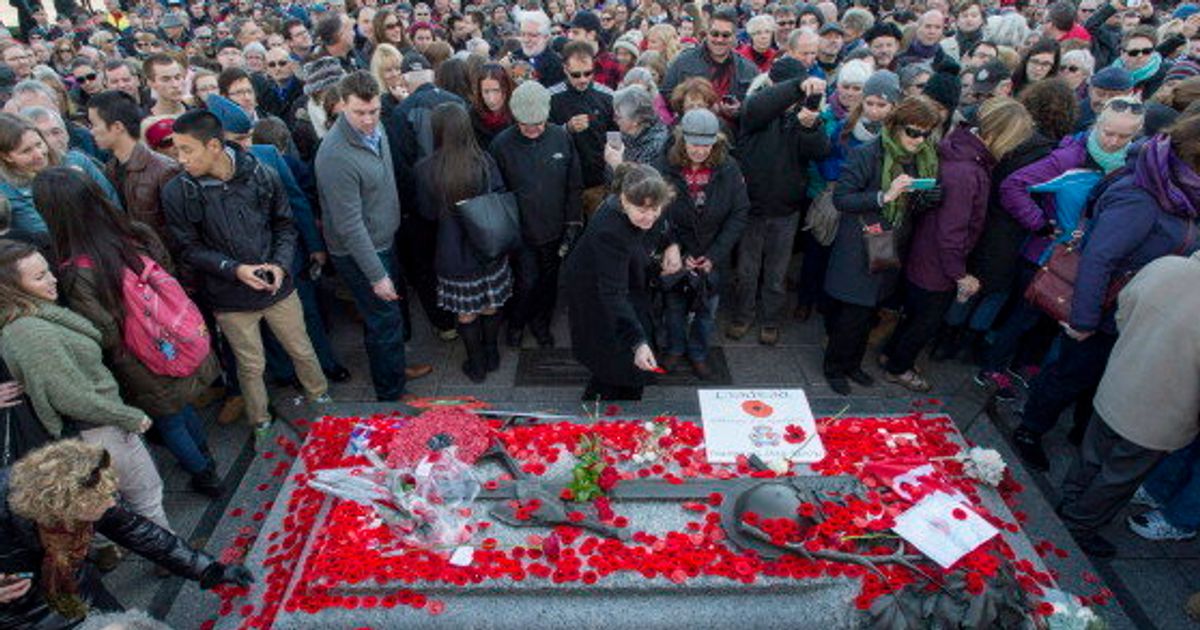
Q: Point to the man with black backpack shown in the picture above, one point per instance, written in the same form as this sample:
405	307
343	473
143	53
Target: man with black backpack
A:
230	218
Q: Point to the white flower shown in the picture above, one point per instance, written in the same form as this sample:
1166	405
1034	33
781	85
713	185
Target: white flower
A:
984	464
779	466
648	426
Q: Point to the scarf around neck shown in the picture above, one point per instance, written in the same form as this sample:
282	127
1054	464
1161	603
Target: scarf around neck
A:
66	549
862	133
1109	161
1145	72
895	157
1174	184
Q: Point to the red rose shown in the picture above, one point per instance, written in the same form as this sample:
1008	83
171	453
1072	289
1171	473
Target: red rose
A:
608	479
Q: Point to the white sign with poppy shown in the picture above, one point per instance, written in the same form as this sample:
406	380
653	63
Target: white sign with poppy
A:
774	424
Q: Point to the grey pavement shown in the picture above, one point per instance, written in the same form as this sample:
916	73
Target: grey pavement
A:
1151	580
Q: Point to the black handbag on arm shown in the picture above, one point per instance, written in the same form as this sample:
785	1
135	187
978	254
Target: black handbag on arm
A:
20	430
491	220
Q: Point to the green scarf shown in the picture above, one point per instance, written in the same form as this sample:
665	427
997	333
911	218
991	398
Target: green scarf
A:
894	159
1107	161
1145	72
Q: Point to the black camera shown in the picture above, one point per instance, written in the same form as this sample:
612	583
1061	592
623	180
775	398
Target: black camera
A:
266	275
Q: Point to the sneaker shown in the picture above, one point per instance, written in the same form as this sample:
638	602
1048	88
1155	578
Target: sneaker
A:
999	382
1145	499
1154	526
262	437
768	335
737	330
1029	447
323	399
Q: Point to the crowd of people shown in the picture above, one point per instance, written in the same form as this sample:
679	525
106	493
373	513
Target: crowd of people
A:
181	183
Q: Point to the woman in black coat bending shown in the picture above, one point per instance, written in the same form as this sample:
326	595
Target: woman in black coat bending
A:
606	284
52	503
468	285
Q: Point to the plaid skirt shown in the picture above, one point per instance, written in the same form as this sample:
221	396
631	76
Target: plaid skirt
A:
489	290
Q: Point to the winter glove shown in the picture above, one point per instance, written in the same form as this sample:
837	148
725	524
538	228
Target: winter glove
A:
927	199
220	573
570	235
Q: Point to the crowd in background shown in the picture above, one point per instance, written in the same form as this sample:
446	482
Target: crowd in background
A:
907	171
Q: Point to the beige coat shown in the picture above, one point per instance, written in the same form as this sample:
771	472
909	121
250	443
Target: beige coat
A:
1150	393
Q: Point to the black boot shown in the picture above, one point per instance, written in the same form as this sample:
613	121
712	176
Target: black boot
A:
207	482
475	367
946	344
491	341
1029	446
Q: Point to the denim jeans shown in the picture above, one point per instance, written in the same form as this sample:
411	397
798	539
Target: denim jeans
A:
680	340
383	326
1175	483
766	249
183	435
978	313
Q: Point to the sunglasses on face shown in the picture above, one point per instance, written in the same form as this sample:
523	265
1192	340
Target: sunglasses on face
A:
917	134
1126	106
87	78
391	25
1072	68
720	34
277	64
581	74
93	478
1138	52
787	22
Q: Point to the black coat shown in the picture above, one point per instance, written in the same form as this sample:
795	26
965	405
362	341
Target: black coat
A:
713	230
545	175
219	225
775	150
606	284
456	258
21	552
410	135
996	258
597	102
857	199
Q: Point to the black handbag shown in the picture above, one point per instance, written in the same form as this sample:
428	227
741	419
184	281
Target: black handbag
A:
492	221
20	430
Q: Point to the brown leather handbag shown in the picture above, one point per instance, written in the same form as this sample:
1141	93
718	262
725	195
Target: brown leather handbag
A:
1053	286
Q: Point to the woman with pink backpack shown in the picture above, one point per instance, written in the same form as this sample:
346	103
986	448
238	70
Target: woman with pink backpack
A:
115	273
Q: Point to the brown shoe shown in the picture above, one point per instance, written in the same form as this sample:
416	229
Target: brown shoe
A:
231	410
702	371
419	370
768	335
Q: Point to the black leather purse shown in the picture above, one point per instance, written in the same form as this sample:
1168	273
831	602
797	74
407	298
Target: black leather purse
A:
492	221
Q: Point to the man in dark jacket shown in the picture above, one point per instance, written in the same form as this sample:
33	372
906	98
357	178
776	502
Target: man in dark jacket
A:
781	135
585	108
730	74
410	136
231	220
541	167
139	173
279	95
535	47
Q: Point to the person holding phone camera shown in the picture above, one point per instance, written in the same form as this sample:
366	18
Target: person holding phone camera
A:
585	108
715	60
233	224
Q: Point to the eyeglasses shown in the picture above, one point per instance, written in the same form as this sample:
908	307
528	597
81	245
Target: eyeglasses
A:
720	34
1138	52
1041	63
606	18
87	78
581	74
1132	107
277	64
786	22
917	134
93	478
241	92
1072	68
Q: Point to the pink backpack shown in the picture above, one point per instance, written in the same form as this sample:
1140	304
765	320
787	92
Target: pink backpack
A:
163	328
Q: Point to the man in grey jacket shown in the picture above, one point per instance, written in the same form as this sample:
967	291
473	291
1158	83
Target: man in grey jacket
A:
362	213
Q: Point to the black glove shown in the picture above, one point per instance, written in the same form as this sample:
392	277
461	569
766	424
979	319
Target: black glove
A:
220	573
927	199
570	235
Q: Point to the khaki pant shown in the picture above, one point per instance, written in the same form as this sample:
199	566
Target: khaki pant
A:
286	319
137	478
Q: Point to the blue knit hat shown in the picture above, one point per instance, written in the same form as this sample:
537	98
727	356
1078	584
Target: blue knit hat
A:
233	118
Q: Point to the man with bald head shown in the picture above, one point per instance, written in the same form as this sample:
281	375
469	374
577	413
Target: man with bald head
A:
926	42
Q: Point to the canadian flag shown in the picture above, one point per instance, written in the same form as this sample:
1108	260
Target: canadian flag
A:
911	479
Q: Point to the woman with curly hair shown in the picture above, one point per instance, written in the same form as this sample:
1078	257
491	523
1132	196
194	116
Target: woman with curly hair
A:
54	353
663	39
52	503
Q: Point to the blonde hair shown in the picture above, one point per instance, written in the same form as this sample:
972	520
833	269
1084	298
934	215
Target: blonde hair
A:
670	38
1004	124
59	483
384	53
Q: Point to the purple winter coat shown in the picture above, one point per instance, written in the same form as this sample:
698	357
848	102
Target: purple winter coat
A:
943	237
1019	202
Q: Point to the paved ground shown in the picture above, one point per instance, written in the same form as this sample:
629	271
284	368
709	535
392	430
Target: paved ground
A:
1151	580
